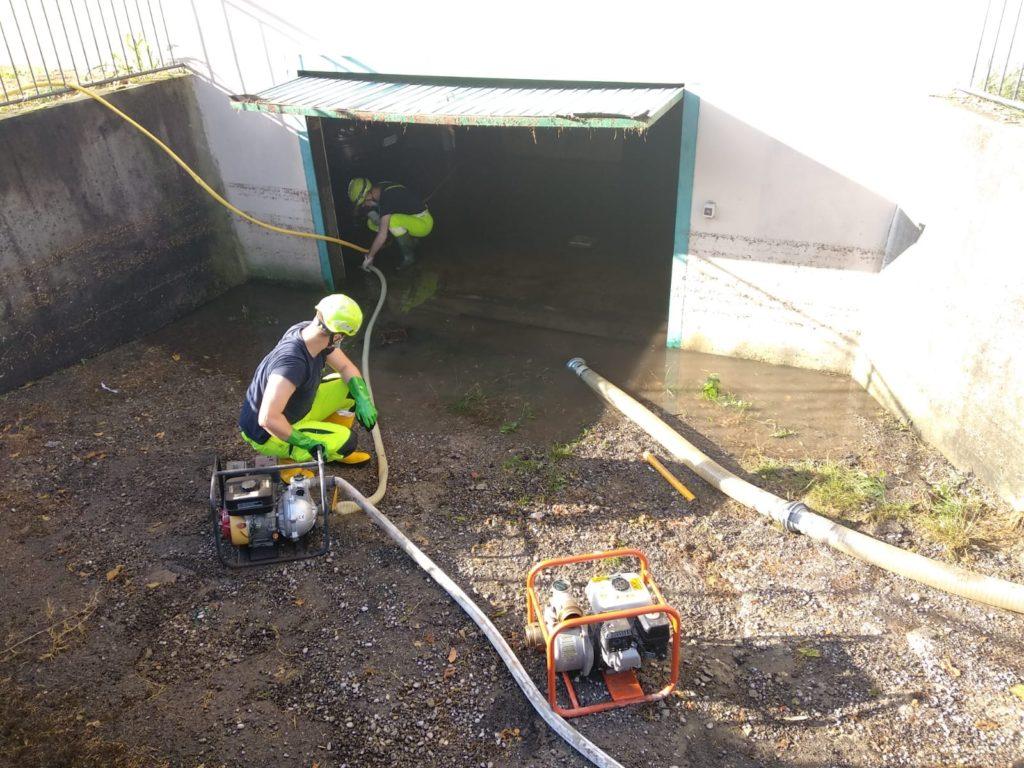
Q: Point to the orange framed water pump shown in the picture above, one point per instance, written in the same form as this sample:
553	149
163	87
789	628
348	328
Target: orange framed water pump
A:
628	621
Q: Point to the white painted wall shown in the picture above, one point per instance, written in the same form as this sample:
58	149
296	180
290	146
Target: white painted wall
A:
944	324
781	270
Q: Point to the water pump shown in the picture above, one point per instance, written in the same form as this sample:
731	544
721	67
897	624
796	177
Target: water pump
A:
627	623
266	513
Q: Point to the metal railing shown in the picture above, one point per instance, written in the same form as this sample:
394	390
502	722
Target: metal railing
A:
999	62
46	43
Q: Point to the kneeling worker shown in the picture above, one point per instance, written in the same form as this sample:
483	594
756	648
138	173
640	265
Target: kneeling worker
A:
287	404
391	208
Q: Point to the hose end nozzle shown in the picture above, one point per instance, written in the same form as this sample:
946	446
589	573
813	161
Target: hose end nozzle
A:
576	365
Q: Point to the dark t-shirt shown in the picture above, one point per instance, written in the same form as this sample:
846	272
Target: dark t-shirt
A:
291	359
399	199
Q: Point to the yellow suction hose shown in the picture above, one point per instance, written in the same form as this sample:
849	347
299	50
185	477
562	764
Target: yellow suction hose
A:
346	507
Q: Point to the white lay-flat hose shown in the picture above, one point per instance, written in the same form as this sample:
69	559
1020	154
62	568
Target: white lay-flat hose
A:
574	738
797	517
348	507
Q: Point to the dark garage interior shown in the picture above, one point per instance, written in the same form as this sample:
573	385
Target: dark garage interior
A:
569	228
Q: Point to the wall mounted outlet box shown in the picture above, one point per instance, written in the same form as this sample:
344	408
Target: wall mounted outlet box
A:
709	210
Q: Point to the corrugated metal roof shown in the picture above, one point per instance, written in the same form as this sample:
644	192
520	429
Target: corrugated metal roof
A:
467	101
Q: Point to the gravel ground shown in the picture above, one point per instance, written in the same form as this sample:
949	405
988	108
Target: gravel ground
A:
793	655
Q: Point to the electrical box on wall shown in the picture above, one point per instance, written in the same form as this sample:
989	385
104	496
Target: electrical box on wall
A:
709	210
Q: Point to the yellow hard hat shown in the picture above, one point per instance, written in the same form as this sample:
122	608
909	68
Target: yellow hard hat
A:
358	189
340	314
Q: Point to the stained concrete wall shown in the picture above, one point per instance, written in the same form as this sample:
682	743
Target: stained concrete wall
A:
259	158
943	327
102	236
779	273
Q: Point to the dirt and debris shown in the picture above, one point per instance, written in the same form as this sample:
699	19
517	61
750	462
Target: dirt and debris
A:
152	654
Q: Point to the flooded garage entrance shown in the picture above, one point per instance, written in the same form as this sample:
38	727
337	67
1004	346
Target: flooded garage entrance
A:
554	203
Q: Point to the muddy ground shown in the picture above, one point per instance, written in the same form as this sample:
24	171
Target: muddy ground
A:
153	654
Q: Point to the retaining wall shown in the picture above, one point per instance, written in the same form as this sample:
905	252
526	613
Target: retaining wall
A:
781	270
943	332
102	237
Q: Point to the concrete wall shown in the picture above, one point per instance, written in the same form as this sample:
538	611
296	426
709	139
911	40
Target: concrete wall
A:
943	329
780	271
258	157
244	47
102	237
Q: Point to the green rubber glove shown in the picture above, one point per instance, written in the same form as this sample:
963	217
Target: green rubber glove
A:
305	442
365	411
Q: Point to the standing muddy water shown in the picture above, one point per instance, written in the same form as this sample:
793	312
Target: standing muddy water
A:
155	655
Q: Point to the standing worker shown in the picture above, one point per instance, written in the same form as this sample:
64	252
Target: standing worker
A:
393	208
289	410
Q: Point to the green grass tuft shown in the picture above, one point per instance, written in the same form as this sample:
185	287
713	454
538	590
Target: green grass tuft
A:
546	471
508	427
520	465
473	401
952	518
828	486
844	490
711	390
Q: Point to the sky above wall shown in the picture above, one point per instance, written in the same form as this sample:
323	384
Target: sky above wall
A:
821	45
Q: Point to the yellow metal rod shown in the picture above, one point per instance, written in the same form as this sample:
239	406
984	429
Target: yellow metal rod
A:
651	459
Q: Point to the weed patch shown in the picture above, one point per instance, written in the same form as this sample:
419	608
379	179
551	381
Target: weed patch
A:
489	409
844	490
473	402
712	391
949	513
508	427
521	465
547	471
828	486
953	518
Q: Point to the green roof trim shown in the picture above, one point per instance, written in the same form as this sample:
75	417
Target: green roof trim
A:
456	101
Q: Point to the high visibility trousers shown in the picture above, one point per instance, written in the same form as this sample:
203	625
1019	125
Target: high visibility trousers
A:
331	396
415	224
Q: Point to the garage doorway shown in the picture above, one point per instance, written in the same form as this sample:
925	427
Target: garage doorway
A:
562	219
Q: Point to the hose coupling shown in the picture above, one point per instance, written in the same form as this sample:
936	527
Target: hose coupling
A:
792	513
577	365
